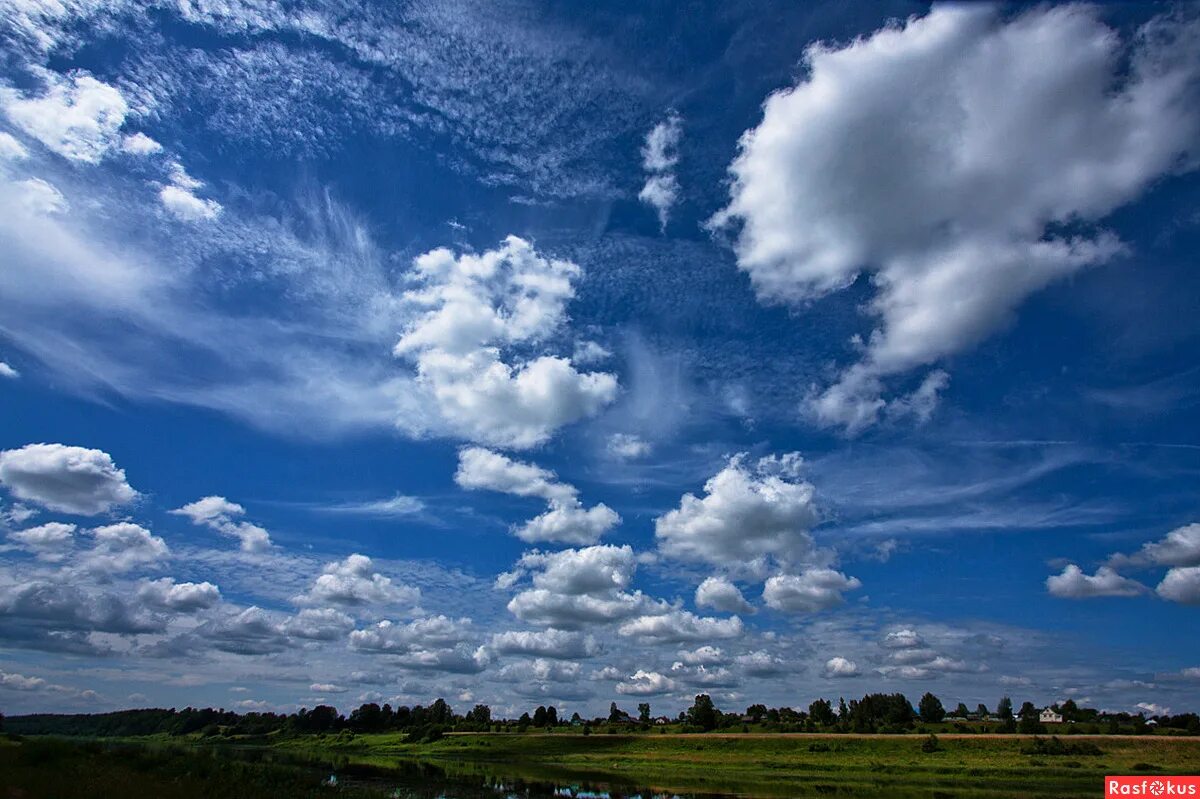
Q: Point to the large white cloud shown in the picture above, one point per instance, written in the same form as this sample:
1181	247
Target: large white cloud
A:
1180	547
943	157
720	594
748	513
558	644
123	546
1181	584
474	310
566	520
1073	583
678	626
219	514
431	633
65	479
166	594
77	116
646	683
51	541
809	591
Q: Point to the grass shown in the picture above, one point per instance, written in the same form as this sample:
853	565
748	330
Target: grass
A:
795	765
969	767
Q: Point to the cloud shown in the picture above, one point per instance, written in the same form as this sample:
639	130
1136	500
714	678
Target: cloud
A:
398	505
319	624
121	547
761	664
1181	584
51	608
218	514
627	445
811	591
706	655
539	670
179	198
353	581
51	541
473	307
558	644
906	638
646	683
251	631
431	633
39	197
76	116
659	157
1180	547
11	149
140	144
958	159
1072	583
839	667
678	626
720	594
747	513
66	479
166	594
8	372
566	520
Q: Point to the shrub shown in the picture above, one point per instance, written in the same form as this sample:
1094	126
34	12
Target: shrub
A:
1056	748
930	744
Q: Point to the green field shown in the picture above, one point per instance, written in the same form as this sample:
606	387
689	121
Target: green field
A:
472	765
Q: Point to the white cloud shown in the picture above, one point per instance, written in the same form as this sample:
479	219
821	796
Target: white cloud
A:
39	197
326	688
1181	584
353	581
123	546
565	521
432	633
179	198
627	445
19	682
808	592
646	683
398	505
706	655
218	513
678	626
67	479
837	667
558	644
720	594
1072	583
11	149
761	663
9	372
940	156
475	306
574	588
319	624
903	639
1180	547
539	671
140	144
50	541
166	594
595	570
77	116
747	514
659	157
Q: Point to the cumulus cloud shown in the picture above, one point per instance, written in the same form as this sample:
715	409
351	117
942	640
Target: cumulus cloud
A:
720	594
51	541
76	115
944	157
706	655
140	144
838	667
1181	584
431	633
319	624
179	198
1180	547
67	479
646	683
811	591
1073	583
218	513
906	638
760	663
558	644
628	446
354	581
566	520
660	154
474	309
748	513
121	547
678	626
166	594
8	372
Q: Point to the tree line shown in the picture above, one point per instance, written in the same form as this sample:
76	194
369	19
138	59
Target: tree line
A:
875	712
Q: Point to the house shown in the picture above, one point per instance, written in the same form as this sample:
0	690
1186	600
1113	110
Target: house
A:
662	720
1048	716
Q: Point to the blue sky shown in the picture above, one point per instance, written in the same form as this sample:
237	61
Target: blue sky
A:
525	355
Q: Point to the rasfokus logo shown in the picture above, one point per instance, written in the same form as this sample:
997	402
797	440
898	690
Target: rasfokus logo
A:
1151	786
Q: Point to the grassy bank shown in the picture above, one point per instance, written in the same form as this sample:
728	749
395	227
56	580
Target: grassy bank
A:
792	765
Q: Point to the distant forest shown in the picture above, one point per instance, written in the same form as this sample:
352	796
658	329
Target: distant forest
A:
872	713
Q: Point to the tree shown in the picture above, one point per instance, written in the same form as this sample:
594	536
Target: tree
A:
481	714
523	722
615	714
552	716
1004	709
931	709
702	713
821	712
1028	711
756	712
539	716
843	713
644	712
1069	710
982	711
961	711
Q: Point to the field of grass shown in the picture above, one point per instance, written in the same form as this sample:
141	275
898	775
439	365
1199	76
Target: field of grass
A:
792	765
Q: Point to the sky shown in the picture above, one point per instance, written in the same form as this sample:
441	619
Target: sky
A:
524	354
